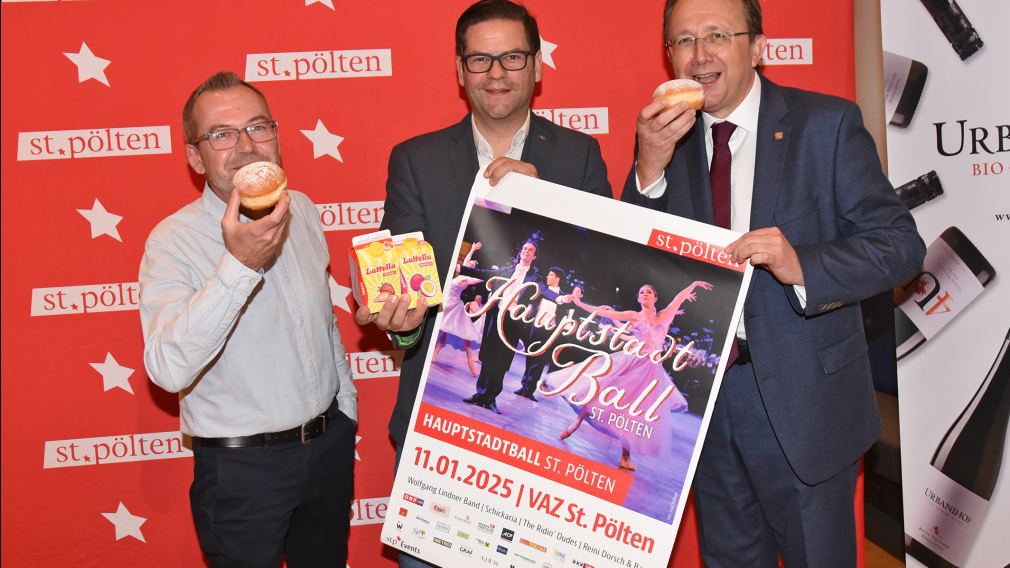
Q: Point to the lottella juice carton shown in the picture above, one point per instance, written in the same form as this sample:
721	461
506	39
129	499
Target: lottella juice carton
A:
418	273
374	272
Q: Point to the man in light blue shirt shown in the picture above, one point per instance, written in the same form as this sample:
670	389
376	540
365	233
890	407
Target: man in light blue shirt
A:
237	319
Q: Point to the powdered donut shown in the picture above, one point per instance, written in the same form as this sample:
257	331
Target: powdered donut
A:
681	90
259	185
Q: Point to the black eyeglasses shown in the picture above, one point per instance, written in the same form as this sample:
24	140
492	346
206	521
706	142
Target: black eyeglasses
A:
715	39
482	62
226	138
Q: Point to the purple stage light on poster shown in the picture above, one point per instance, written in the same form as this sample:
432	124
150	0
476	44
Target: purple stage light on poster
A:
568	387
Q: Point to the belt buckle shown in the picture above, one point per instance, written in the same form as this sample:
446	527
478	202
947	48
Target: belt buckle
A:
301	429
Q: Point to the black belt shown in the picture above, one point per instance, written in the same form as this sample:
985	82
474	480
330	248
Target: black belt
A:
301	434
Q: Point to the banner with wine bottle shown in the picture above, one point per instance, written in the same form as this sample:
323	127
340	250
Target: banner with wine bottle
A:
945	91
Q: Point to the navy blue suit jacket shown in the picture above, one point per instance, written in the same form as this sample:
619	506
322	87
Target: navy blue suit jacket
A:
818	179
429	182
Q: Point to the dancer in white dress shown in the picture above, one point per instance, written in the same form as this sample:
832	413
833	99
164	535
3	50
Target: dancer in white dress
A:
455	319
633	374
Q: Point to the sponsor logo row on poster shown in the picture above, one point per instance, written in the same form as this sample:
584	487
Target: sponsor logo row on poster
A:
490	542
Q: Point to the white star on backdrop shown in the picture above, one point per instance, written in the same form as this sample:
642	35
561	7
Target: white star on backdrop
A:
89	66
126	523
356	440
102	222
324	143
547	52
338	295
113	374
327	3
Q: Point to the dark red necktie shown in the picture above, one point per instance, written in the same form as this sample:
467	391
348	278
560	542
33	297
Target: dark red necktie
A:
719	174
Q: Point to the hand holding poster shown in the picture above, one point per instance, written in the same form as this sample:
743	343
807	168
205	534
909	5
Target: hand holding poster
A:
606	326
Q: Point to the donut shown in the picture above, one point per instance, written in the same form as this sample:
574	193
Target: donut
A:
681	90
259	185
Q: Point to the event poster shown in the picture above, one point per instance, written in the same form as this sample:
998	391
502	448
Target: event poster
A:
568	388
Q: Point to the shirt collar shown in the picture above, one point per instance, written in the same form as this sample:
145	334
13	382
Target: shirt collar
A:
213	205
745	115
484	148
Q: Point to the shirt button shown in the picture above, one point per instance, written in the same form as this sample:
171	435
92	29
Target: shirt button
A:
312	364
301	323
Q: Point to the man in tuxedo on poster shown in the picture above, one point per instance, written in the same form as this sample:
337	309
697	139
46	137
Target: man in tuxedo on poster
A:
496	356
800	177
547	310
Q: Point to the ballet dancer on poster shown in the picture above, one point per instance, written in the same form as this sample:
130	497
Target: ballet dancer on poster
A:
631	374
455	319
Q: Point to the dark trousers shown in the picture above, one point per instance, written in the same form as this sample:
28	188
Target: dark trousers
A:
535	365
253	505
751	506
495	357
534	372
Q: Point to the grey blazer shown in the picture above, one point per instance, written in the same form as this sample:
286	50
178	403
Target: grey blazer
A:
429	182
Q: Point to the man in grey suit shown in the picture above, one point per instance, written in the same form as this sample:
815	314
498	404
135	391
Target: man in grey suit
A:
797	173
430	176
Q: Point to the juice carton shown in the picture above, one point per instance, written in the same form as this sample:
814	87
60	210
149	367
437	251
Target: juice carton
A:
418	273
374	272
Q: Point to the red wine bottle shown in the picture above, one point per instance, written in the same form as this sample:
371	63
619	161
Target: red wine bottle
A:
953	275
920	190
955	26
904	79
948	508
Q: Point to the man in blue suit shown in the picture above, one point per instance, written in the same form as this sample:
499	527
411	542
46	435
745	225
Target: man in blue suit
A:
430	176
798	174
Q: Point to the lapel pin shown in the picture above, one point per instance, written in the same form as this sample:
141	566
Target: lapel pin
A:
542	137
779	135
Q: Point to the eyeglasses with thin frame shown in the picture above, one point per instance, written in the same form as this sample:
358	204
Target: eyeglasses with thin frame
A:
226	138
509	61
716	39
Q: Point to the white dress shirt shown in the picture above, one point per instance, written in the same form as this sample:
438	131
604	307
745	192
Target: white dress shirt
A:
485	154
249	351
548	307
517	279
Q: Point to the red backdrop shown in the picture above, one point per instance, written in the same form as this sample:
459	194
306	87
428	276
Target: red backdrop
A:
93	157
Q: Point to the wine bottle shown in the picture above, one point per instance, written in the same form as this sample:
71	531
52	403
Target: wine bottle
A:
946	512
955	25
878	310
953	275
904	79
920	190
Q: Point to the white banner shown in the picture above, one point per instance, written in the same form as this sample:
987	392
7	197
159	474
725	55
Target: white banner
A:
946	93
